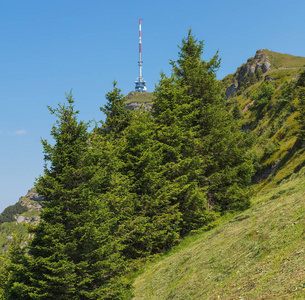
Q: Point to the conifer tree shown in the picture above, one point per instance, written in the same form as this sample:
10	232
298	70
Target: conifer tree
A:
300	91
73	254
14	280
205	151
117	117
154	226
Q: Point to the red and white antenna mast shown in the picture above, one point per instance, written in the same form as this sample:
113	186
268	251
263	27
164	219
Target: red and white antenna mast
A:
140	83
140	48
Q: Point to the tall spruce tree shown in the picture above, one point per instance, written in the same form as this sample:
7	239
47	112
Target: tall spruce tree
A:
73	254
205	151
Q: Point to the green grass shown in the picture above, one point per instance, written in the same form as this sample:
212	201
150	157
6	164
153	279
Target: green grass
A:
140	97
281	60
258	254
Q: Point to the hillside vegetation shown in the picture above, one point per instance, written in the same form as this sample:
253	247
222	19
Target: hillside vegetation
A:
196	196
257	254
132	188
268	105
14	218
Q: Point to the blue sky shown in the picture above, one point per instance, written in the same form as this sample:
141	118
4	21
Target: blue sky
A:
51	47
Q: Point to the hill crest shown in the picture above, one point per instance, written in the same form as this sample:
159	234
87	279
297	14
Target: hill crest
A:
255	67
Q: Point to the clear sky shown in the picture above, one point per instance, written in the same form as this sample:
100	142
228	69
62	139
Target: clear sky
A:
50	47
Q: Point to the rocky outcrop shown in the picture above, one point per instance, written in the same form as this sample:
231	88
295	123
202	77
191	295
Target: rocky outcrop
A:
34	196
31	205
137	105
260	63
231	90
23	219
31	201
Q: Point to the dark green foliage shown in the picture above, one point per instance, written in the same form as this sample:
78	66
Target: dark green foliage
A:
269	149
263	97
236	112
14	280
8	215
301	109
301	80
74	246
204	151
300	93
73	254
154	226
259	74
288	89
133	187
117	117
253	79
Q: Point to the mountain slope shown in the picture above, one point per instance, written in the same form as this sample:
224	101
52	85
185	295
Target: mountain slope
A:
258	254
16	222
267	106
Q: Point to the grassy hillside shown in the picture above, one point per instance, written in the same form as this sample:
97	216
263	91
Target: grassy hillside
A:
281	60
268	108
258	254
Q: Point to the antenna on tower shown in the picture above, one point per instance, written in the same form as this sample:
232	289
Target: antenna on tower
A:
140	83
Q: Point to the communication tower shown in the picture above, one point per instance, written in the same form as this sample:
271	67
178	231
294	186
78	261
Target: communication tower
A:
140	83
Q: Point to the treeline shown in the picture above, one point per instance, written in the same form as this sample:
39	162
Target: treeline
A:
132	187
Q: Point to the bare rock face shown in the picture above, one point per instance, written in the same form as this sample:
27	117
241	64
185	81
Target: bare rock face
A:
35	197
266	66
137	105
259	63
231	90
31	201
20	219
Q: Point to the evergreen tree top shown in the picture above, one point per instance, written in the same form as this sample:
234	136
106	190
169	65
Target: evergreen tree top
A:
189	58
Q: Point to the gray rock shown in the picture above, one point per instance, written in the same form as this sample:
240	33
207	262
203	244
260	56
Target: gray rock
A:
137	105
252	71
266	66
35	197
20	219
231	90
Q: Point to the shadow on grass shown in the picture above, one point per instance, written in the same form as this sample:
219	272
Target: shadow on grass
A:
297	145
